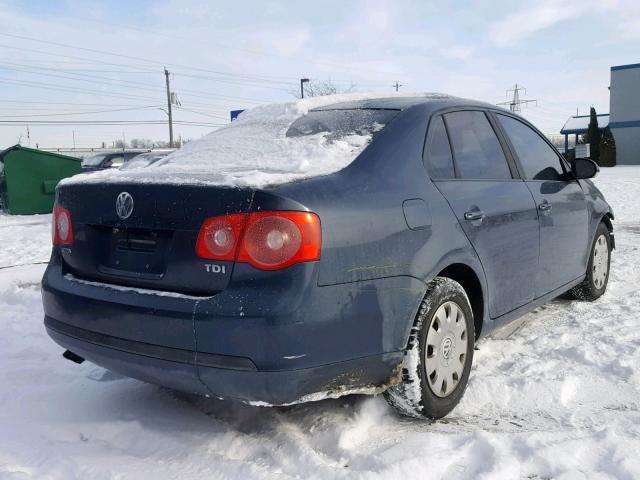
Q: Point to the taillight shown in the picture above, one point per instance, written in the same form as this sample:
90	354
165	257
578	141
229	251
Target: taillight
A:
219	237
62	227
266	240
274	240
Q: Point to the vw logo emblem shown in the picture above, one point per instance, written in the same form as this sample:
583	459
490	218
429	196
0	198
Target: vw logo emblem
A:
124	205
447	346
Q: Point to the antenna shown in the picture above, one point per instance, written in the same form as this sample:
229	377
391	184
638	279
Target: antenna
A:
516	101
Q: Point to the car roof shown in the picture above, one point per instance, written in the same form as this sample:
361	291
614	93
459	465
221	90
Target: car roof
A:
433	100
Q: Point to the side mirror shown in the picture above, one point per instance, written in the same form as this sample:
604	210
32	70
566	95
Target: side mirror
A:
583	168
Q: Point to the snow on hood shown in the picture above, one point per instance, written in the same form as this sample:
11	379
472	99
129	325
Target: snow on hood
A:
252	151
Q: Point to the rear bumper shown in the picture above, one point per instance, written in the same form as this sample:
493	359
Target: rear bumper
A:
275	341
234	378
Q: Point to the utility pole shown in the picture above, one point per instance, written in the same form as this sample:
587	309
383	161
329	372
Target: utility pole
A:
73	132
397	85
302	82
516	101
166	75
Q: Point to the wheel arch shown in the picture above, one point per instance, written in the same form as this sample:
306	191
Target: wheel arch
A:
606	219
467	277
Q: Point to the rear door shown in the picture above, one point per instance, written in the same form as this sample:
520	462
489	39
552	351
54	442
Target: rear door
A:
496	211
563	216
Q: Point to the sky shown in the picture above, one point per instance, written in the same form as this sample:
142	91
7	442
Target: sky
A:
80	61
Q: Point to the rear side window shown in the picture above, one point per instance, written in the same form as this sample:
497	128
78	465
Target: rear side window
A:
539	160
476	149
438	151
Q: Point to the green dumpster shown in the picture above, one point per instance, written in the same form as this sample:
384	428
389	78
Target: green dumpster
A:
28	178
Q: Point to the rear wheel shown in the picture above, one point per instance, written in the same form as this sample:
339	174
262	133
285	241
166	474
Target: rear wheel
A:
439	354
597	278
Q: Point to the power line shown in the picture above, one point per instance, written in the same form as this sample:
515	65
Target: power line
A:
156	33
261	79
129	57
74	76
94	79
101	79
46	102
77	113
63	88
42	52
220	117
516	101
107	122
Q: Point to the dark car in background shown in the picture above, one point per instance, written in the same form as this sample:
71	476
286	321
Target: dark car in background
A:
101	161
455	219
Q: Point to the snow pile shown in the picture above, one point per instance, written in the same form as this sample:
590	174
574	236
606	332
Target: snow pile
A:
24	239
559	398
254	150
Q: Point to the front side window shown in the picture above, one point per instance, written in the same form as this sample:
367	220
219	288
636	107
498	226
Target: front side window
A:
538	159
94	161
115	162
476	149
438	151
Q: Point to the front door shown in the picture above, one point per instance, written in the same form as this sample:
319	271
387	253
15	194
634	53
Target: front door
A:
562	210
496	211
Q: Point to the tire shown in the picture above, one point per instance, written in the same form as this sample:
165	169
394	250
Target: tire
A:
436	365
597	278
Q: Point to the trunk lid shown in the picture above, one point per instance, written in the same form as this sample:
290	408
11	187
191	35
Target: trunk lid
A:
154	246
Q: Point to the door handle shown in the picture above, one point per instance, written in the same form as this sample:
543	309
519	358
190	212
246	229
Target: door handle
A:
474	215
545	206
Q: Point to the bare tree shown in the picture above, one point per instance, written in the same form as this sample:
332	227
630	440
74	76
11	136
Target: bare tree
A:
141	143
319	88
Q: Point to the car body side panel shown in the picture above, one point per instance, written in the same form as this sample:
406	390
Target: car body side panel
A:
366	233
286	321
363	210
597	208
564	242
506	239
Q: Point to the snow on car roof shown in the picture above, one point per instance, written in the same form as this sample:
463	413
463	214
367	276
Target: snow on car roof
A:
254	150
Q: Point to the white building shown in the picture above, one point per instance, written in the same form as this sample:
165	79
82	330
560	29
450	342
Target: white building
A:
623	119
624	109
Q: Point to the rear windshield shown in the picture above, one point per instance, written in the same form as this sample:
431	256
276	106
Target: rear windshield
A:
337	124
271	145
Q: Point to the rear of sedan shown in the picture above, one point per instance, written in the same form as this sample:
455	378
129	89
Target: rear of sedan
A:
213	283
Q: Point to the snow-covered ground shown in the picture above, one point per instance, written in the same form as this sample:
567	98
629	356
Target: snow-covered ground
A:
559	398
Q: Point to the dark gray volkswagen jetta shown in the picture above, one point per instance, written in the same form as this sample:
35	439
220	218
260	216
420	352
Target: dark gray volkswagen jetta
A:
444	220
